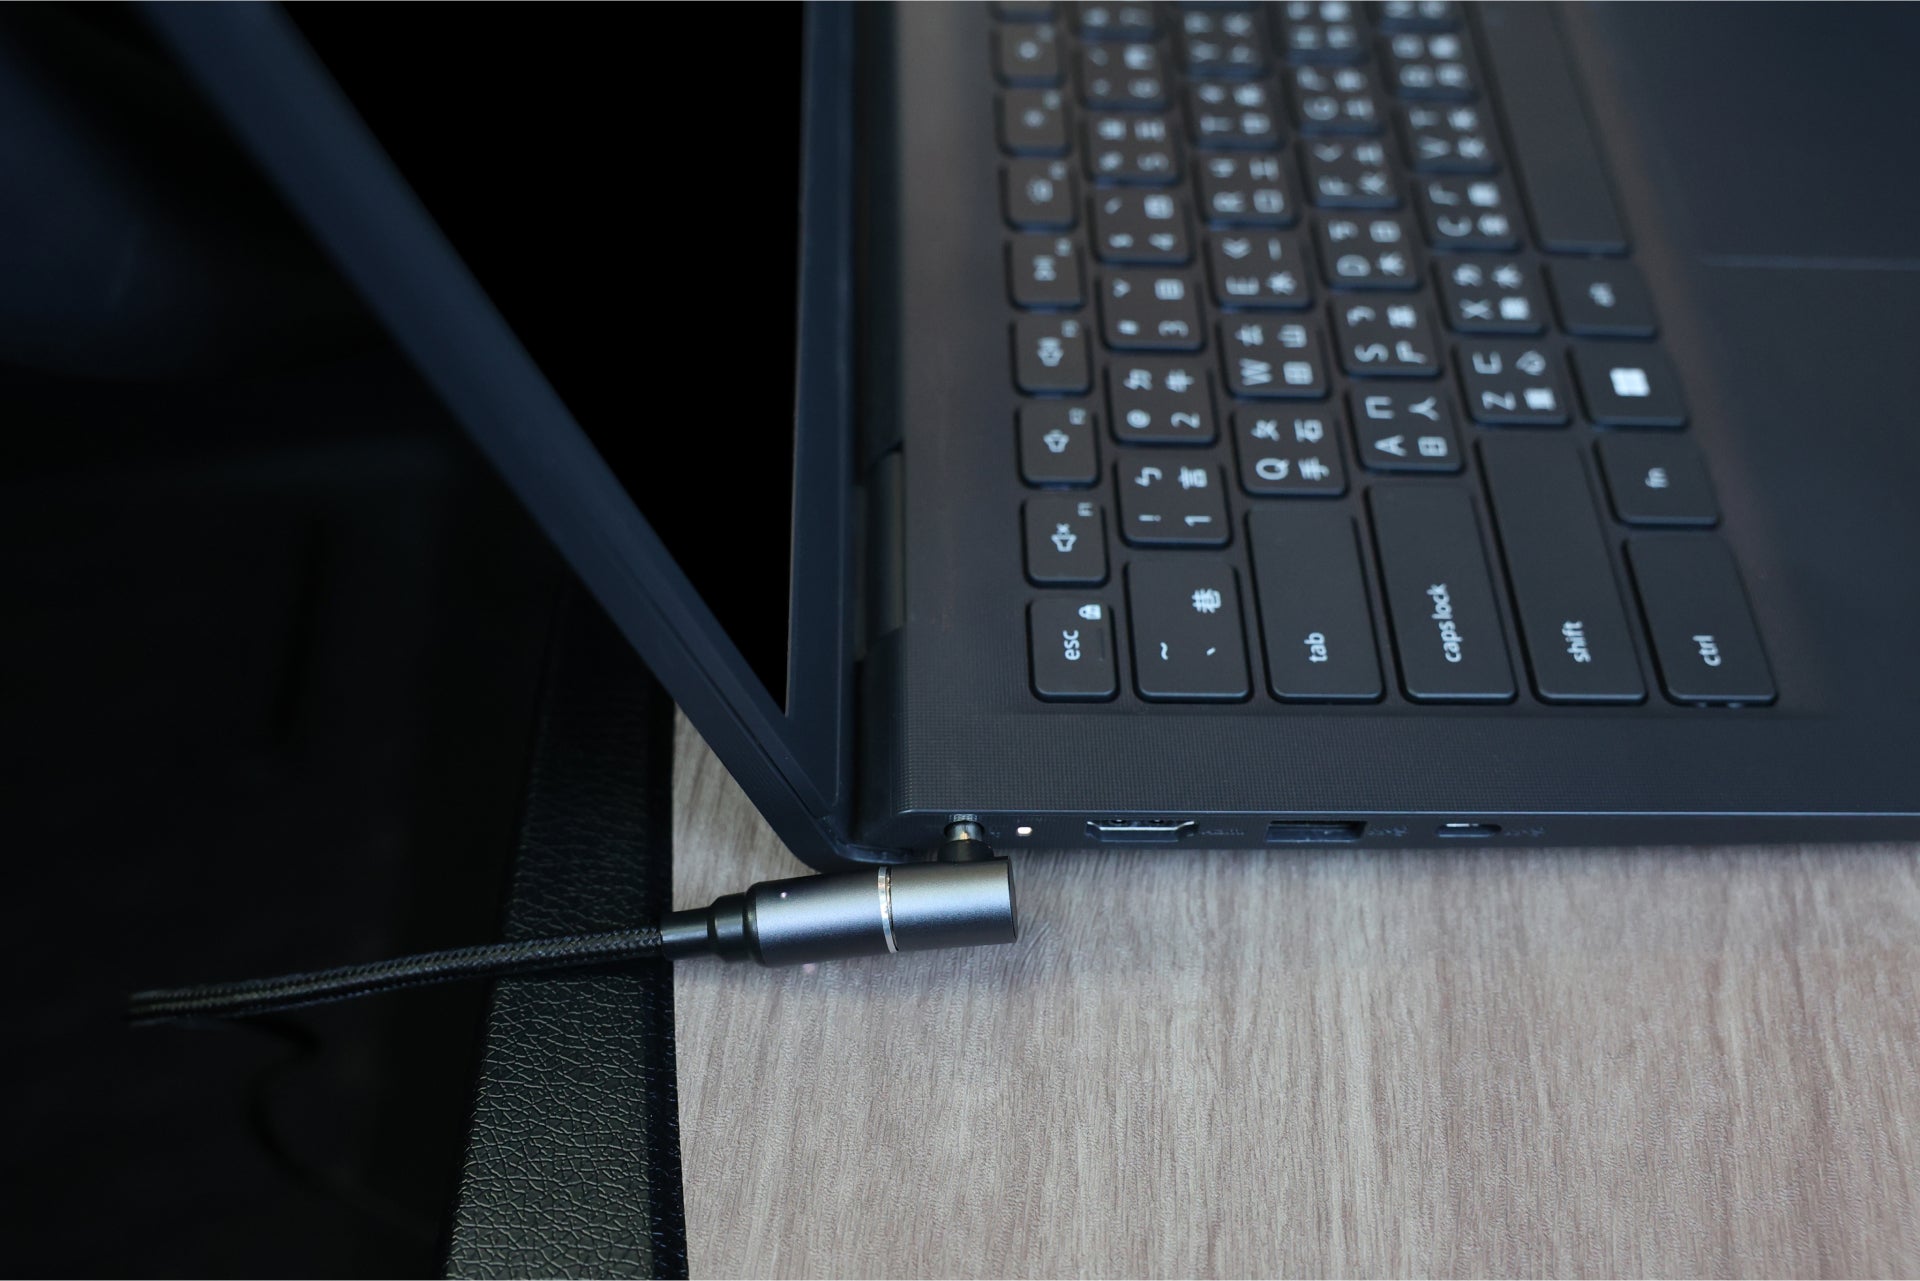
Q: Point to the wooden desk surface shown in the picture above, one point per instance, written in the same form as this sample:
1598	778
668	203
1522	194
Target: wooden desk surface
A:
1678	1062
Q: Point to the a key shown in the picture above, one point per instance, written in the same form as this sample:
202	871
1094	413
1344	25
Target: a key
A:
1418	15
1577	640
1044	271
1468	213
1066	544
1140	227
1657	479
1070	645
1367	251
1144	310
1033	122
1050	355
1349	173
1236	113
1321	31
1270	358
1440	601
1334	100
1039	194
1315	623
1385	338
1290	452
1628	385
1165	502
1259	269
1429	65
1132	149
1703	634
1449	137
1115	21
1059	444
1123	75
1489	296
1513	384
1160	400
1246	191
1404	429
1187	642
1027	55
1599	298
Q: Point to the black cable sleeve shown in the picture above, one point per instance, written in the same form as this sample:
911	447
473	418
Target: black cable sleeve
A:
252	997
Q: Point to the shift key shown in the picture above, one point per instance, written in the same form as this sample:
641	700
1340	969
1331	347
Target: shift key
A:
1446	625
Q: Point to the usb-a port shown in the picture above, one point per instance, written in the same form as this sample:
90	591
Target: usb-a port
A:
1313	832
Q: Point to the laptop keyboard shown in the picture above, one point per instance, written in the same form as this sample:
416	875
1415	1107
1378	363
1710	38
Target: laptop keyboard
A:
1309	412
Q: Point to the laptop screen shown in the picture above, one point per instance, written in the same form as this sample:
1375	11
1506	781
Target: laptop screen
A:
625	185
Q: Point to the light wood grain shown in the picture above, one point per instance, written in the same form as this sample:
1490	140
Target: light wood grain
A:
1677	1062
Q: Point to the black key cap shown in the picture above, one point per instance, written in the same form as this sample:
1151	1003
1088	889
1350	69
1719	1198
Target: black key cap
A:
1576	635
1259	269
1168	503
1335	100
1065	542
1246	191
1027	55
1350	173
1468	213
1232	114
1513	384
1657	480
1070	641
1601	299
1385	338
1290	453
1446	626
1450	137
1039	194
1140	227
1224	42
1321	31
1367	251
1267	358
1115	21
1429	65
1554	152
1044	271
1418	15
1160	400
1033	122
1701	624
1187	643
1489	296
1136	150
1628	385
1059	443
1123	75
1050	355
1404	430
1314	620
1150	311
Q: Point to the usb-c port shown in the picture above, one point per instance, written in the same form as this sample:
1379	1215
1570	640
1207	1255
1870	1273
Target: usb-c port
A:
1466	831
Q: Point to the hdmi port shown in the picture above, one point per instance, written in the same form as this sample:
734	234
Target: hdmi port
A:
1289	832
1140	831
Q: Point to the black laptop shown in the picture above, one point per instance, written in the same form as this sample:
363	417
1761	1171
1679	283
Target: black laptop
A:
1226	424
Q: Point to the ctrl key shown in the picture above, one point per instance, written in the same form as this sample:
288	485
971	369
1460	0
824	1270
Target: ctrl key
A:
1071	644
1703	633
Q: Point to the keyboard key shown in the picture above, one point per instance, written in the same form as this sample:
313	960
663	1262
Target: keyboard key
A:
1350	173
1059	443
1044	271
1702	627
1385	338
1115	21
1160	400
1513	384
1050	355
1367	251
1404	430
1259	269
1290	453
1321	31
1450	137
1628	385
1315	624
1027	55
1657	480
1187	642
1489	296
1564	595
1224	42
1469	213
1033	122
1070	644
1167	503
1236	113
1597	298
1145	310
1246	191
1140	227
1429	65
1417	15
1335	100
1123	75
1265	358
1038	194
1066	544
1446	625
1137	150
